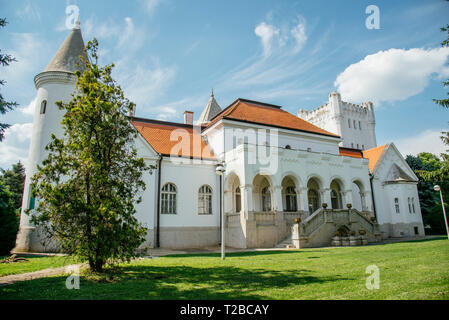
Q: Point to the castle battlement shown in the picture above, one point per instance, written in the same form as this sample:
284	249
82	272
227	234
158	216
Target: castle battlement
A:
355	123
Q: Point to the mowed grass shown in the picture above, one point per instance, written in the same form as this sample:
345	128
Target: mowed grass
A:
34	263
408	270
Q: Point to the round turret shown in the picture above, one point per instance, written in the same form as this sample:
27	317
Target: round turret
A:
56	83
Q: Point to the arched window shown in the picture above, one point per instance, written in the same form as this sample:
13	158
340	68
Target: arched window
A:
238	200
168	199
205	200
290	199
313	198
396	205
266	199
43	106
335	200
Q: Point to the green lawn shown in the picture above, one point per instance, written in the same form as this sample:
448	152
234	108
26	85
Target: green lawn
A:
408	270
34	263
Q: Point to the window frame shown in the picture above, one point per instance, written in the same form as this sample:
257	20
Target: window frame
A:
169	199
205	200
43	108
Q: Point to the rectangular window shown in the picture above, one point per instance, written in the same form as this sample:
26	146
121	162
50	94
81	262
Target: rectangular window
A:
355	125
349	123
409	205
413	205
360	125
32	198
396	205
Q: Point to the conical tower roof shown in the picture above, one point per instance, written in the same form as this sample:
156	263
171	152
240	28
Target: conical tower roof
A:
210	111
68	55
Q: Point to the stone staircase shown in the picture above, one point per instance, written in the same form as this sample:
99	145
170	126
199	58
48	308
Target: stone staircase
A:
287	243
318	229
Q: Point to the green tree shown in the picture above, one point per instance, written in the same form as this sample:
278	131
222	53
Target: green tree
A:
427	196
5	106
14	179
444	102
9	221
92	178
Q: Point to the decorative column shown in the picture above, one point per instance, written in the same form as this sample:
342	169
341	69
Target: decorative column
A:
326	197
228	201
246	192
277	192
303	200
367	202
347	197
299	199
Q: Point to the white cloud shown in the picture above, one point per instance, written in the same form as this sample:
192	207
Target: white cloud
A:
29	109
15	145
151	5
426	141
391	75
268	34
31	54
142	84
29	11
299	33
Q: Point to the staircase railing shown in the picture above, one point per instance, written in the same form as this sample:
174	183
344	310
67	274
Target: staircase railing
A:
343	216
314	221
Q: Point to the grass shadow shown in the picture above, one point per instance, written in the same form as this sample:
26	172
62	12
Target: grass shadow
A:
169	282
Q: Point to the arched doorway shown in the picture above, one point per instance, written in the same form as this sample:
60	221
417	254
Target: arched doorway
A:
357	195
336	199
234	197
262	194
289	197
313	195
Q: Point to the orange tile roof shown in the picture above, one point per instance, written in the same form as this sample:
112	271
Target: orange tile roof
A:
353	153
374	155
265	114
158	135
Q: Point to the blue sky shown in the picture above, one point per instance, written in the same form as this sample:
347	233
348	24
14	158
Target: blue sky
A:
170	53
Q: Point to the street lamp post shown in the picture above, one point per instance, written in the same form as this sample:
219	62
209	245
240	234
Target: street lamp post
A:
438	188
220	171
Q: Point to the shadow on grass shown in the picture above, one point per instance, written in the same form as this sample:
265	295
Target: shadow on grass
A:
171	282
436	238
243	253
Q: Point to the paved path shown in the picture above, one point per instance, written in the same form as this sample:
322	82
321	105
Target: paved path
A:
35	275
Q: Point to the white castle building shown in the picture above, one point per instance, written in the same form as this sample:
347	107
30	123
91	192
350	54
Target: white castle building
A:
317	173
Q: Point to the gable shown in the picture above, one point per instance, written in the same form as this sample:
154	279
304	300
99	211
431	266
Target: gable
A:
391	166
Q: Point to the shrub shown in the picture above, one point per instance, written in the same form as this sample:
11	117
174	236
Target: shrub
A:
9	221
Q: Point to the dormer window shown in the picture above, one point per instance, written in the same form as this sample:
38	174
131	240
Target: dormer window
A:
43	107
288	147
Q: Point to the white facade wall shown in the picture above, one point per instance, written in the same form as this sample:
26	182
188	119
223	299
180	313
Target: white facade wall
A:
386	188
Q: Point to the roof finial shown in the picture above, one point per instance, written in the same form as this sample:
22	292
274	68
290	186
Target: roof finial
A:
212	93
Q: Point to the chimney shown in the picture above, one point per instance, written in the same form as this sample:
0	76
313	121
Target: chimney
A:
132	112
188	117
